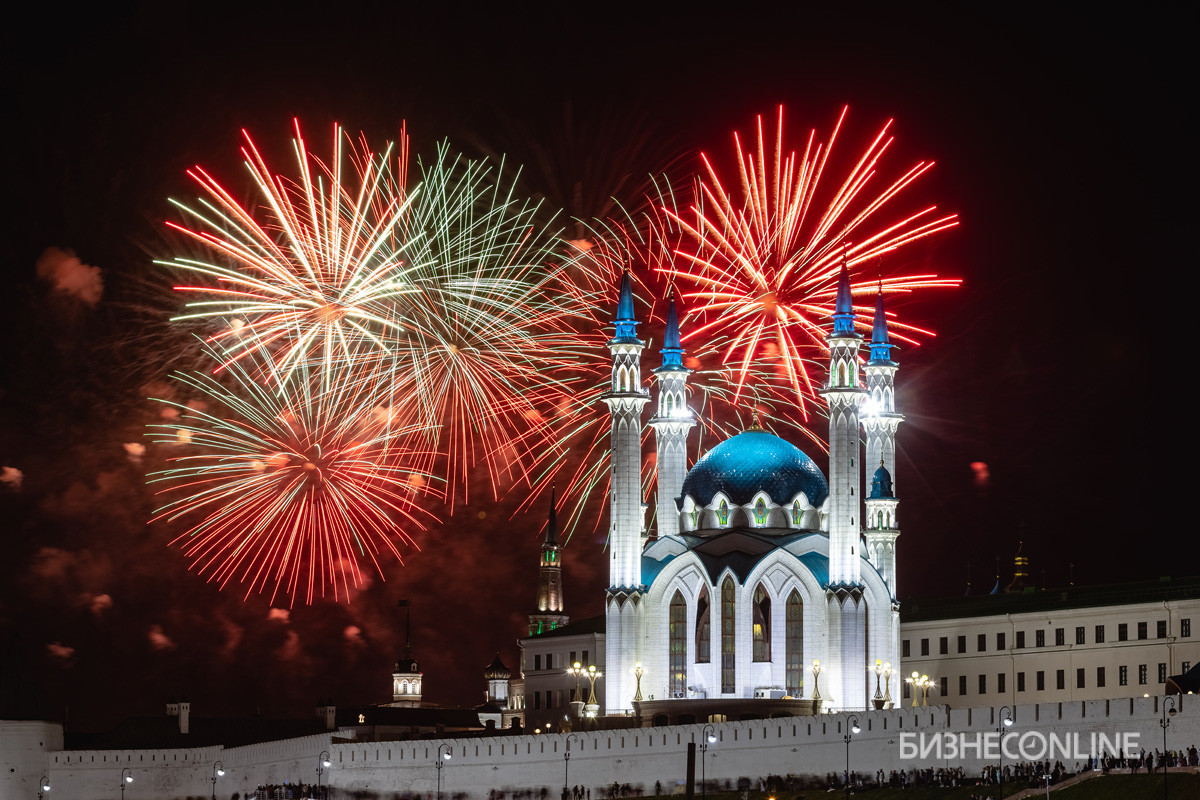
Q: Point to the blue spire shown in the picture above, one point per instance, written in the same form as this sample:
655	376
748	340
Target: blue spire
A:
626	324
672	350
881	348
843	309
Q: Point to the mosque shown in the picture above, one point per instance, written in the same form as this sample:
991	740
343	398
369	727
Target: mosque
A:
766	581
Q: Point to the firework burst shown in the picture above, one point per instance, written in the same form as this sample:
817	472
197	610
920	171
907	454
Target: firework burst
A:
448	289
761	267
314	269
294	484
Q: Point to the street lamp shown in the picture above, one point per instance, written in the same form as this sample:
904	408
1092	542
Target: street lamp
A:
1168	703
593	708
323	763
638	672
915	682
1006	721
708	735
126	777
218	771
437	762
852	722
567	763
877	700
44	783
887	684
816	695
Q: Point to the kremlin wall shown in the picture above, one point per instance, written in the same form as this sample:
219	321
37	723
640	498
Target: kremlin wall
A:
809	746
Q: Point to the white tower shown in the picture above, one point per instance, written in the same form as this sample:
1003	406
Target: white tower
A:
879	416
623	607
844	394
671	424
847	612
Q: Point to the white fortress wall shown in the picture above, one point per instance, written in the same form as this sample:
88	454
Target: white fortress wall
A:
755	748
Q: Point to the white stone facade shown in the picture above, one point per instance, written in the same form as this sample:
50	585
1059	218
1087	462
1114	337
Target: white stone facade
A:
1090	653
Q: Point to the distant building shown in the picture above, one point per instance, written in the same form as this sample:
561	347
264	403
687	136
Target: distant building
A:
1052	645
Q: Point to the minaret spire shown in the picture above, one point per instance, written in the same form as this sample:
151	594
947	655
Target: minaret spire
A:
625	400
847	626
671	422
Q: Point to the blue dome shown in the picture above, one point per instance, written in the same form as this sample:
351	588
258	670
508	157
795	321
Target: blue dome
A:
751	462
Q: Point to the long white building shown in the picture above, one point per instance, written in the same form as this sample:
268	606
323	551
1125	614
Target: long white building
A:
1055	645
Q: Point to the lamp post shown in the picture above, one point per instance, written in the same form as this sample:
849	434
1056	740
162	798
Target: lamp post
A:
708	735
567	763
43	786
816	695
915	682
323	763
218	771
887	684
126	777
437	762
1168	703
852	723
1005	721
592	708
877	700
638	672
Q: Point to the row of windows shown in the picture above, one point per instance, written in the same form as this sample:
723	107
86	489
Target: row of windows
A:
1060	679
1060	637
537	661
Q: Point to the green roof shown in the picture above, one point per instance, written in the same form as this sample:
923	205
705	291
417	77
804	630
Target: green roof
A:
590	625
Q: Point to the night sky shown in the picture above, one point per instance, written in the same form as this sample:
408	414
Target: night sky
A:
1059	141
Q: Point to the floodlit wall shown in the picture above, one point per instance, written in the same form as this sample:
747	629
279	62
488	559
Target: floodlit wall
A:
756	748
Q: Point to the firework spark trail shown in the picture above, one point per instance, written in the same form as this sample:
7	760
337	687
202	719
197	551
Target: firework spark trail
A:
446	288
322	268
290	484
762	265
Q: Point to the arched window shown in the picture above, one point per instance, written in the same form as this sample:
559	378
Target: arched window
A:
760	512
760	627
695	518
677	635
723	514
796	512
841	374
728	607
880	519
793	644
703	628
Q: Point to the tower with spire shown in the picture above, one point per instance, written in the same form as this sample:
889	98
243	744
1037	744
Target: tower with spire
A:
880	418
550	613
407	675
625	400
844	394
846	607
671	423
880	421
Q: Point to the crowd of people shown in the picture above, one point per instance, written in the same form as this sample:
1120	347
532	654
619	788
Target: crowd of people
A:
1034	773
